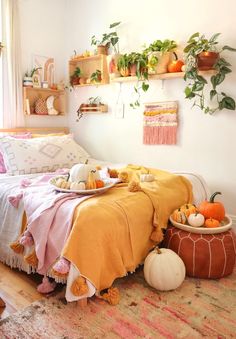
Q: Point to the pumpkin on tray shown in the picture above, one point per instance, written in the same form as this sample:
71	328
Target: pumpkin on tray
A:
212	209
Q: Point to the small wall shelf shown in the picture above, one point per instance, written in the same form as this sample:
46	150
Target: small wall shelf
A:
88	65
94	109
165	76
31	94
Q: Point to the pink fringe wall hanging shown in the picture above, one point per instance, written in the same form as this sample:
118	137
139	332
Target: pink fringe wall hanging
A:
160	123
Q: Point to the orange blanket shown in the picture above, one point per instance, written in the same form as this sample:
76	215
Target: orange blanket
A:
111	232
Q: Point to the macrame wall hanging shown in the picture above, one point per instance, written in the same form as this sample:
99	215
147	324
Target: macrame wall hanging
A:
160	123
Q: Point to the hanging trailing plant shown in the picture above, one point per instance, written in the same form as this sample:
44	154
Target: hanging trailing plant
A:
203	54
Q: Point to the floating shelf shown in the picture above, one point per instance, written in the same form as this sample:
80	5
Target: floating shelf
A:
31	94
165	76
94	109
88	65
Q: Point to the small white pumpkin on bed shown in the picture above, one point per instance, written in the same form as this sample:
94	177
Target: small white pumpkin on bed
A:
78	186
62	183
164	269
80	172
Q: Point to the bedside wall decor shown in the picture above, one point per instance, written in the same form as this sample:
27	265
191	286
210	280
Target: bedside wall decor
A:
160	123
47	68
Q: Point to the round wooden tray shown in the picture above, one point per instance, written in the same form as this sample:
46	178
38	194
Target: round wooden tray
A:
226	224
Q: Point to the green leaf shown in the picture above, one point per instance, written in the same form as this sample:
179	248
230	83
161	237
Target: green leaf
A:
229	48
198	86
225	70
189	47
214	37
192	37
212	93
228	103
114	24
145	87
188	93
217	79
201	79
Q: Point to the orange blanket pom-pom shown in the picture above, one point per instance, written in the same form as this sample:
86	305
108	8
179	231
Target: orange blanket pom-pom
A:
79	286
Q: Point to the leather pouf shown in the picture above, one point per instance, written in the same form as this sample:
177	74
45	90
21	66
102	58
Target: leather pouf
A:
204	255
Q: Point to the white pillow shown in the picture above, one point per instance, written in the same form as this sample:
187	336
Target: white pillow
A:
41	154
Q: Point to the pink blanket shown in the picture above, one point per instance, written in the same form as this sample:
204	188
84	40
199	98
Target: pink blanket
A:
49	215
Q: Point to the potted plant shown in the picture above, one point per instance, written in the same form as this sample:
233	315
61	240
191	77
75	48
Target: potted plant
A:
107	40
96	76
158	54
75	77
123	65
204	54
138	64
28	77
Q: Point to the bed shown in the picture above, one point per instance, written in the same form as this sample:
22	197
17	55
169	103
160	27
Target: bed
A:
93	239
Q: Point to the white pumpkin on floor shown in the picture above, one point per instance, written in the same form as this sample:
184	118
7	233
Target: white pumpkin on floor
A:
80	172
164	269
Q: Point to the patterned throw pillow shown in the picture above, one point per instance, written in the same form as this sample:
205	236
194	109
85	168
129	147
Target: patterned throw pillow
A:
41	154
17	136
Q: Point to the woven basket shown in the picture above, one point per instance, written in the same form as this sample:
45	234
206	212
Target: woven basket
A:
41	107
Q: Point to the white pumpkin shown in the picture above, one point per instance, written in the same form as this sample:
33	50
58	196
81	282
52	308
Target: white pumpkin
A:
77	186
196	220
80	172
147	177
164	269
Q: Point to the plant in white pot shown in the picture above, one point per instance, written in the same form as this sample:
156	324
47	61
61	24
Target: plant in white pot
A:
28	77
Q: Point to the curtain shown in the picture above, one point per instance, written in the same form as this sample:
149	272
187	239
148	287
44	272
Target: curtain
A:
12	75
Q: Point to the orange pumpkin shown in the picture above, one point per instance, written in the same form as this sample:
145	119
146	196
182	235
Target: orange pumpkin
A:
179	216
99	183
212	209
211	223
188	209
175	65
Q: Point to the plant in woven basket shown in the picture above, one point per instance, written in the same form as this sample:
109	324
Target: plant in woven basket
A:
204	54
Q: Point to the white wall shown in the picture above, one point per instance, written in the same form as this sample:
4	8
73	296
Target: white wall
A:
206	144
43	33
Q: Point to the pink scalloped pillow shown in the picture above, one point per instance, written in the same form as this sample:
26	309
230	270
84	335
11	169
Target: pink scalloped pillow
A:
16	136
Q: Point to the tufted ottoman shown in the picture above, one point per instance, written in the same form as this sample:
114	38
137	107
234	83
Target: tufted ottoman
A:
204	255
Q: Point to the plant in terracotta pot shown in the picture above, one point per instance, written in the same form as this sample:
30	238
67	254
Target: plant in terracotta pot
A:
158	54
75	77
139	63
96	77
107	40
204	54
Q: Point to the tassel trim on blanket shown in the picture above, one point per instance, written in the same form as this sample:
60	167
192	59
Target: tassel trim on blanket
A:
17	247
79	286
160	123
61	268
112	296
31	259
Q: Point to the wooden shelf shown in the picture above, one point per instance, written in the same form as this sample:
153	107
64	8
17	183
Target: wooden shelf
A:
31	94
89	65
165	76
94	109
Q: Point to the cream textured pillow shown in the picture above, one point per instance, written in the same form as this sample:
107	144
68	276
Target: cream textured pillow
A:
41	154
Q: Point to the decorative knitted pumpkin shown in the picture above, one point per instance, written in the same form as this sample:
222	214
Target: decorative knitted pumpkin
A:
41	106
204	255
164	269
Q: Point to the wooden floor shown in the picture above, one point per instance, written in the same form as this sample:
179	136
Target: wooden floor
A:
17	289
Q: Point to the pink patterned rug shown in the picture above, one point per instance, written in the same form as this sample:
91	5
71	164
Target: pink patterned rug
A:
198	308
